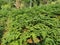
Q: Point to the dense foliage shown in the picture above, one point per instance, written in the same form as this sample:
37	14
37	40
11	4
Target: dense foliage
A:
32	26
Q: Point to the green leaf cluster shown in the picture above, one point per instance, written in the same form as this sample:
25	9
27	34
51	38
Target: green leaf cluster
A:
36	23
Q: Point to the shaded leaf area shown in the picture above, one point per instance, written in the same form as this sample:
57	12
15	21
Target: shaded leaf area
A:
1	30
35	26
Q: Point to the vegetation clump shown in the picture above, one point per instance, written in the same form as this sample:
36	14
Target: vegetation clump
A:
32	26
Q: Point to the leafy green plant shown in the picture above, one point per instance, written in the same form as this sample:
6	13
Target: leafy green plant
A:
37	24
